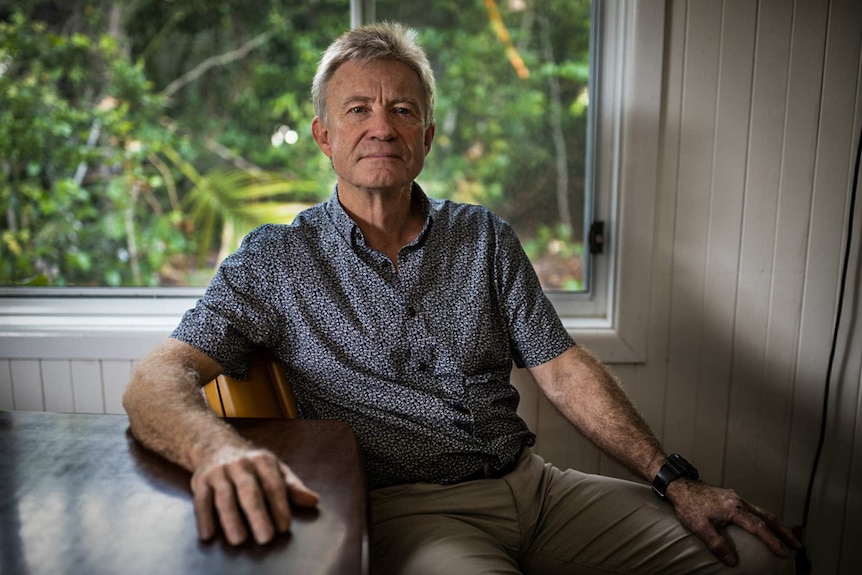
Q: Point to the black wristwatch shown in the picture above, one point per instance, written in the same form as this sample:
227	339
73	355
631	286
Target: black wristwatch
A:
675	467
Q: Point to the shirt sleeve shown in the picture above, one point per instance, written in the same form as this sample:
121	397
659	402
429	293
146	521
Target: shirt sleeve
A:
536	332
237	312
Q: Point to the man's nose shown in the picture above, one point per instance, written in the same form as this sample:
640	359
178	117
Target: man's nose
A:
382	125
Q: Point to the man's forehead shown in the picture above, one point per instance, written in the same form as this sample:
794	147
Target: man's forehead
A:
358	65
364	82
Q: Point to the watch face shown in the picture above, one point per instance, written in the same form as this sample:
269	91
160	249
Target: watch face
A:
681	467
675	467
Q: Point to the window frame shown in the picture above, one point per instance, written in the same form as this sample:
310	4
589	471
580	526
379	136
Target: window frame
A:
611	319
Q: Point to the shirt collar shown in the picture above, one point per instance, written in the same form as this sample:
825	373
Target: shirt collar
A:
349	230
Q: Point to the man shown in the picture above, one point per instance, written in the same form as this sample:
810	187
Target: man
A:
402	316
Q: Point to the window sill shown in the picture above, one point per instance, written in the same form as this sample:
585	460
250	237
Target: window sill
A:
94	324
128	323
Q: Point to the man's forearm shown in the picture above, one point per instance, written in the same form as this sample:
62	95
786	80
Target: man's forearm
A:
589	396
166	410
234	485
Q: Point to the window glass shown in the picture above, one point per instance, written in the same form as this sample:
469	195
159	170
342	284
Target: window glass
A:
512	110
139	141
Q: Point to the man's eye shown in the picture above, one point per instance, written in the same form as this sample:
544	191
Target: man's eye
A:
357	109
405	111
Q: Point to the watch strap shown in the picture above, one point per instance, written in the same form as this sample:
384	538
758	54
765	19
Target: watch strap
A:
675	467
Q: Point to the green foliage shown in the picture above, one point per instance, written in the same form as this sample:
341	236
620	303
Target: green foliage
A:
554	255
494	141
139	153
73	115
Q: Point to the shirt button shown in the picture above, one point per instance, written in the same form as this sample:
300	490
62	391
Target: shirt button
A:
423	366
411	311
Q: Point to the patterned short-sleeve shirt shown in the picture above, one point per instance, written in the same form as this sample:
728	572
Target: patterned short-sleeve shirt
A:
416	359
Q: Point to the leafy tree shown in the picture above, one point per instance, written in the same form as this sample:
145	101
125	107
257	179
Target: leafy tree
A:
77	121
511	116
140	140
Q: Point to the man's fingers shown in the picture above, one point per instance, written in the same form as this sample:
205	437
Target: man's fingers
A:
767	528
204	512
271	478
251	499
299	493
716	543
704	509
215	501
231	519
250	490
783	531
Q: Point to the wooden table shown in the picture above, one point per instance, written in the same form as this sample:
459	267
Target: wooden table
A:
79	495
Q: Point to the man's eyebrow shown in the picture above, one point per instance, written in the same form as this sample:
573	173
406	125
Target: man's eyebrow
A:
365	99
407	100
353	99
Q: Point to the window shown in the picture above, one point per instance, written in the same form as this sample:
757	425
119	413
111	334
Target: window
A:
139	155
103	185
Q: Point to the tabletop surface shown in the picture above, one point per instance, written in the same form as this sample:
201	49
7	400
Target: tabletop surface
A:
78	494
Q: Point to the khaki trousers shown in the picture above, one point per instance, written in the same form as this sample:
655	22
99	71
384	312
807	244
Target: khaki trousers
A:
539	520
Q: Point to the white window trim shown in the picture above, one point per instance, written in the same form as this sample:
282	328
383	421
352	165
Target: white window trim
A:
125	323
631	53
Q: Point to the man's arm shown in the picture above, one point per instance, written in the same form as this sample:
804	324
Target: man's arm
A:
231	479
589	396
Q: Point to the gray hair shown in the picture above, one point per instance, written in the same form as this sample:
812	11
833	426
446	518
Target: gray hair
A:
378	41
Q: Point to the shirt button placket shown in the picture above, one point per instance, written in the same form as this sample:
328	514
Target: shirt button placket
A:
422	348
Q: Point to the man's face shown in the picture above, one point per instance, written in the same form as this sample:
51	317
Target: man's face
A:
375	134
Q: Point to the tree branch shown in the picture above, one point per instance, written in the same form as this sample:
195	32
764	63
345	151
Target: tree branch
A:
231	156
213	61
556	120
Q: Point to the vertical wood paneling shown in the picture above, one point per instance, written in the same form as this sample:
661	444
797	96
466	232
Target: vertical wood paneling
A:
835	146
792	236
779	170
849	402
832	539
27	385
57	383
726	197
851	551
700	83
652	376
6	401
87	386
750	412
640	132
115	376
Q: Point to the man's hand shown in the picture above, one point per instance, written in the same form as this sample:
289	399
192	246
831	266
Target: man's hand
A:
246	486
704	509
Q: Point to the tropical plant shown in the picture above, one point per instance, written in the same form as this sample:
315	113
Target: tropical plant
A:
140	140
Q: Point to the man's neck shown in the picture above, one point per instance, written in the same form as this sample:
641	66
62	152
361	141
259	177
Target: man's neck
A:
389	219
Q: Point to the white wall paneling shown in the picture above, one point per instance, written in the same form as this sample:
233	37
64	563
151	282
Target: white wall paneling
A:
27	385
115	376
7	403
57	382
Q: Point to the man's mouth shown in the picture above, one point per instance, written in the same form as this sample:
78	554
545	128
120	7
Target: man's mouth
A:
381	156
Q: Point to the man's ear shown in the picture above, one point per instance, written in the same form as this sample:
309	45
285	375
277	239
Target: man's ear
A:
429	136
321	136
